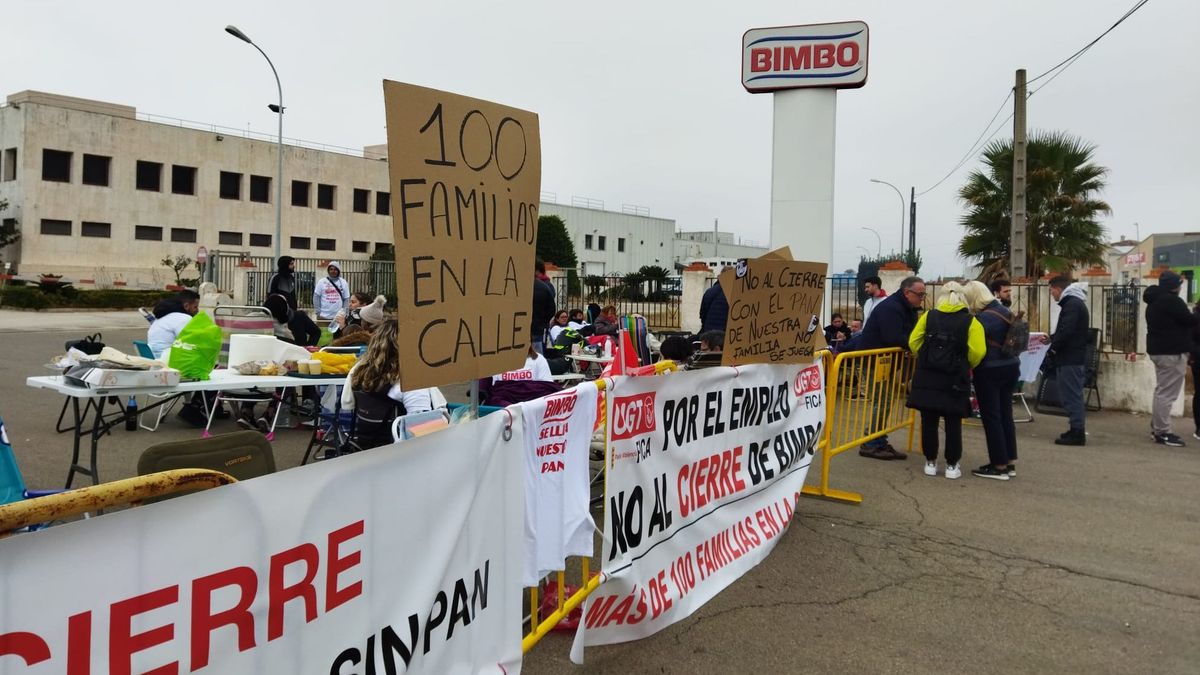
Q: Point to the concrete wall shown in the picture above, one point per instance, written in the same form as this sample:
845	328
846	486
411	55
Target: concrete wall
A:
695	283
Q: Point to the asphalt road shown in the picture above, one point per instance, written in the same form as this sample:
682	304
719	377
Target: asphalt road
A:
1088	561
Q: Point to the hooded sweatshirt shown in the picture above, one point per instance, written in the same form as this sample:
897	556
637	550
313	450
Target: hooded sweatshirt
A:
283	281
331	295
1169	324
1070	338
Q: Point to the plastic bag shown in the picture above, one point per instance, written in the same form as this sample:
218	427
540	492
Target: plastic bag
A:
194	353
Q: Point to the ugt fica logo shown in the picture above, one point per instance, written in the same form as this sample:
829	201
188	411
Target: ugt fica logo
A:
807	380
632	415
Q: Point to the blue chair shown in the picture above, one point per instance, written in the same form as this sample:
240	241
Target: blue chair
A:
12	483
143	349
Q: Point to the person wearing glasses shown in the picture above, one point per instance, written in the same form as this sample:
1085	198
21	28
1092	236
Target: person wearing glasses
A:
891	322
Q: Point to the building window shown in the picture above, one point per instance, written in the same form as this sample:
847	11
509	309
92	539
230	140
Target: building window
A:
587	241
231	185
620	244
260	189
263	240
183	180
325	196
600	242
95	169
229	238
10	164
383	203
384	249
360	246
57	227
301	243
326	244
103	230
300	190
185	235
149	176
148	232
362	200
56	166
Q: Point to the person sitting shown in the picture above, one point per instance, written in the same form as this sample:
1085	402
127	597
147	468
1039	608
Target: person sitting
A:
367	317
557	351
676	348
712	344
170	316
837	332
607	323
531	381
559	324
373	392
576	319
349	316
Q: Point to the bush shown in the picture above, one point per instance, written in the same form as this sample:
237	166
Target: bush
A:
32	297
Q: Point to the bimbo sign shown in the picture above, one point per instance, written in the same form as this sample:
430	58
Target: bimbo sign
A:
831	55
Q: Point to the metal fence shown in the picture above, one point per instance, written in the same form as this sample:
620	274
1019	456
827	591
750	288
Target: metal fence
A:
370	276
656	299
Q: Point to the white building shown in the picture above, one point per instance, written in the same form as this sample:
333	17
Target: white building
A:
715	249
102	194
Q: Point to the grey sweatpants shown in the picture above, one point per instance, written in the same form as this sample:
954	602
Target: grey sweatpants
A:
1168	383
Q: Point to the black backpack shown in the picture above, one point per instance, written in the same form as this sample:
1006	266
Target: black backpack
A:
944	349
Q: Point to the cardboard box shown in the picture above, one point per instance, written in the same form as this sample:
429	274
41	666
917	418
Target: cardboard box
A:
113	378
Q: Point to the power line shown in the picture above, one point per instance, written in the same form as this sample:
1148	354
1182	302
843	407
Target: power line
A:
971	151
1065	63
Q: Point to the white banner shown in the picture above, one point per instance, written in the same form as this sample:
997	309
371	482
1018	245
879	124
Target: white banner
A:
400	559
703	471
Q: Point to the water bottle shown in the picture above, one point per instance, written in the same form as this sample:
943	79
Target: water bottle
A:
131	420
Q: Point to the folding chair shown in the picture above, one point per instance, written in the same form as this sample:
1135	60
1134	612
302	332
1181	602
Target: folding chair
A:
241	320
635	324
241	454
412	425
143	350
12	483
1091	373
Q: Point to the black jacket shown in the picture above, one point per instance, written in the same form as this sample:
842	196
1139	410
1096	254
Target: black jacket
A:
1169	324
543	307
932	390
1070	339
891	323
283	281
714	309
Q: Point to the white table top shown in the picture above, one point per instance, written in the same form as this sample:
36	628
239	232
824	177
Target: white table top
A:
220	380
590	359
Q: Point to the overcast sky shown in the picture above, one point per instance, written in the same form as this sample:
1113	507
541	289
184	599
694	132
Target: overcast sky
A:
641	102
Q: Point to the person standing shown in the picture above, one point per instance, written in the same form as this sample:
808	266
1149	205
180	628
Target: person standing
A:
875	295
283	282
995	382
894	319
1002	290
948	342
1069	345
331	294
543	308
1194	361
714	309
1169	327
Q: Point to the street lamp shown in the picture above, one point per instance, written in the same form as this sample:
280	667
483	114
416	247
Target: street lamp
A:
901	196
277	109
878	242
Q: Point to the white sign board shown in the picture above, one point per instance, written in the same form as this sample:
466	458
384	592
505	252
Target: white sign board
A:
704	469
406	558
1135	258
828	55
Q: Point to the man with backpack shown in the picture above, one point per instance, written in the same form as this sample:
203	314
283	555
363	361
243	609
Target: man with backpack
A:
996	377
1169	327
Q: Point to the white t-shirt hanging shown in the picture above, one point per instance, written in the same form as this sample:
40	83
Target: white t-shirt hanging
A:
536	369
558	521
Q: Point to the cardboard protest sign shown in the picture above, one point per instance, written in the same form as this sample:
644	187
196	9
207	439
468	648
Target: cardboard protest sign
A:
466	180
703	471
774	311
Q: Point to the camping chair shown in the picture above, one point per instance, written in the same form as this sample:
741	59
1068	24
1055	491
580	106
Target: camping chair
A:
241	320
1091	373
412	425
635	324
143	350
12	483
241	454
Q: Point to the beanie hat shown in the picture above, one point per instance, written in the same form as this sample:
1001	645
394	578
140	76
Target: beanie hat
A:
372	314
1169	280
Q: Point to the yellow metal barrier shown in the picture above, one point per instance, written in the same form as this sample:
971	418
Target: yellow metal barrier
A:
129	491
565	604
864	400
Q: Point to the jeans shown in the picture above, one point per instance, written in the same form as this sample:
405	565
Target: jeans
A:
994	389
881	402
1070	391
929	437
1168	383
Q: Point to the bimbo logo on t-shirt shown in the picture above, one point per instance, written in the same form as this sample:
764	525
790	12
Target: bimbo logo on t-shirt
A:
632	415
517	375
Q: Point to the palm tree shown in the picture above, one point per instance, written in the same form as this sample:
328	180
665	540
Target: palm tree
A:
1062	206
656	276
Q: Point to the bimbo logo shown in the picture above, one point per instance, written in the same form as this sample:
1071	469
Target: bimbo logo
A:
817	55
807	380
632	415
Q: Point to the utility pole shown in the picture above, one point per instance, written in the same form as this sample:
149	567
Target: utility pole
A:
716	239
912	222
1016	246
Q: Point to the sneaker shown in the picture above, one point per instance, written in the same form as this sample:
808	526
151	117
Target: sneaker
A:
1169	439
1196	435
953	471
263	425
1072	437
247	424
1012	470
930	468
989	471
